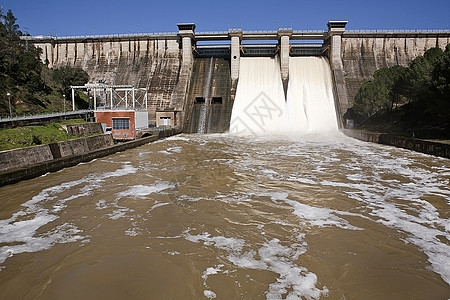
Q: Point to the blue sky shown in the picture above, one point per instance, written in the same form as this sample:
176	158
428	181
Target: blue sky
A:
81	17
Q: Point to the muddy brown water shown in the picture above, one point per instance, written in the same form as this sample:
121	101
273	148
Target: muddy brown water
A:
228	217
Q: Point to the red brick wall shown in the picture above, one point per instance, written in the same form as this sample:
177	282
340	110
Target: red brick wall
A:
107	116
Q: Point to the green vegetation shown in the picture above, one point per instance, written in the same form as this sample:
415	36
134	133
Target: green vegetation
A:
413	100
21	137
33	87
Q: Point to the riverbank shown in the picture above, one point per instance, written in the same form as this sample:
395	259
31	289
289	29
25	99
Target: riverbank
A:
36	161
432	147
33	135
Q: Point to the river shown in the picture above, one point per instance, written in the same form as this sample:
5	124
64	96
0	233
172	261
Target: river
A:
220	216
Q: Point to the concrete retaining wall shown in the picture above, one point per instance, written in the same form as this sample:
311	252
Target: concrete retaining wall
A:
423	146
20	158
83	145
37	169
83	129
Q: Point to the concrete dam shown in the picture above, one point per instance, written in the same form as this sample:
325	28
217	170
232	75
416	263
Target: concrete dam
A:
193	76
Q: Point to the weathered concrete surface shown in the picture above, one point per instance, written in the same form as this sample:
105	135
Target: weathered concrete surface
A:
142	61
19	158
52	165
423	146
156	62
83	129
166	132
218	86
83	145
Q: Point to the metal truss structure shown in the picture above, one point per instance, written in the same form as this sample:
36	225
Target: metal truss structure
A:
113	96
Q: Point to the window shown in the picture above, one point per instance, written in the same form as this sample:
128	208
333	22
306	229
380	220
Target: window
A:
121	123
165	120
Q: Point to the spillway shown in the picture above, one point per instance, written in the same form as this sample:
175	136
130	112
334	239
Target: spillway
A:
260	106
310	103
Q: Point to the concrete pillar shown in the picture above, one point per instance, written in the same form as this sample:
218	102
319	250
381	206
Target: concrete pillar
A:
236	35
284	36
335	32
186	31
335	51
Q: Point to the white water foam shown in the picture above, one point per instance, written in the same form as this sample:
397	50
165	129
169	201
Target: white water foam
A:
21	228
392	186
294	282
314	216
391	202
141	191
260	106
136	192
211	271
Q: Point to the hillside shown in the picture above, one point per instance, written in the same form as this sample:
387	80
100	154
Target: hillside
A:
411	101
27	86
409	120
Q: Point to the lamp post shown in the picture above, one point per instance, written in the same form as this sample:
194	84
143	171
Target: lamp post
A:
64	104
9	101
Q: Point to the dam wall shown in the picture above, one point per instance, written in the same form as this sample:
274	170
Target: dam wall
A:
164	63
208	101
150	62
363	53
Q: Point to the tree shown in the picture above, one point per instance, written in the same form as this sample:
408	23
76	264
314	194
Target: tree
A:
425	82
368	100
9	22
440	83
383	92
390	81
67	76
22	72
20	63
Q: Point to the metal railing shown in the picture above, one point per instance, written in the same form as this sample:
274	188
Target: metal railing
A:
43	116
397	31
100	36
225	33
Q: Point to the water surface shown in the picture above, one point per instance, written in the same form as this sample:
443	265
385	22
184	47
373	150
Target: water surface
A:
228	217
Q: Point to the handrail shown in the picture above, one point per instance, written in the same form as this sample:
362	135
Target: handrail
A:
225	33
397	31
39	116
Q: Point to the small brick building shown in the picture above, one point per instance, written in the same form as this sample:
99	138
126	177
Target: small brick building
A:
122	124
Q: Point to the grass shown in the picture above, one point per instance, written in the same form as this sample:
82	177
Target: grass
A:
21	137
